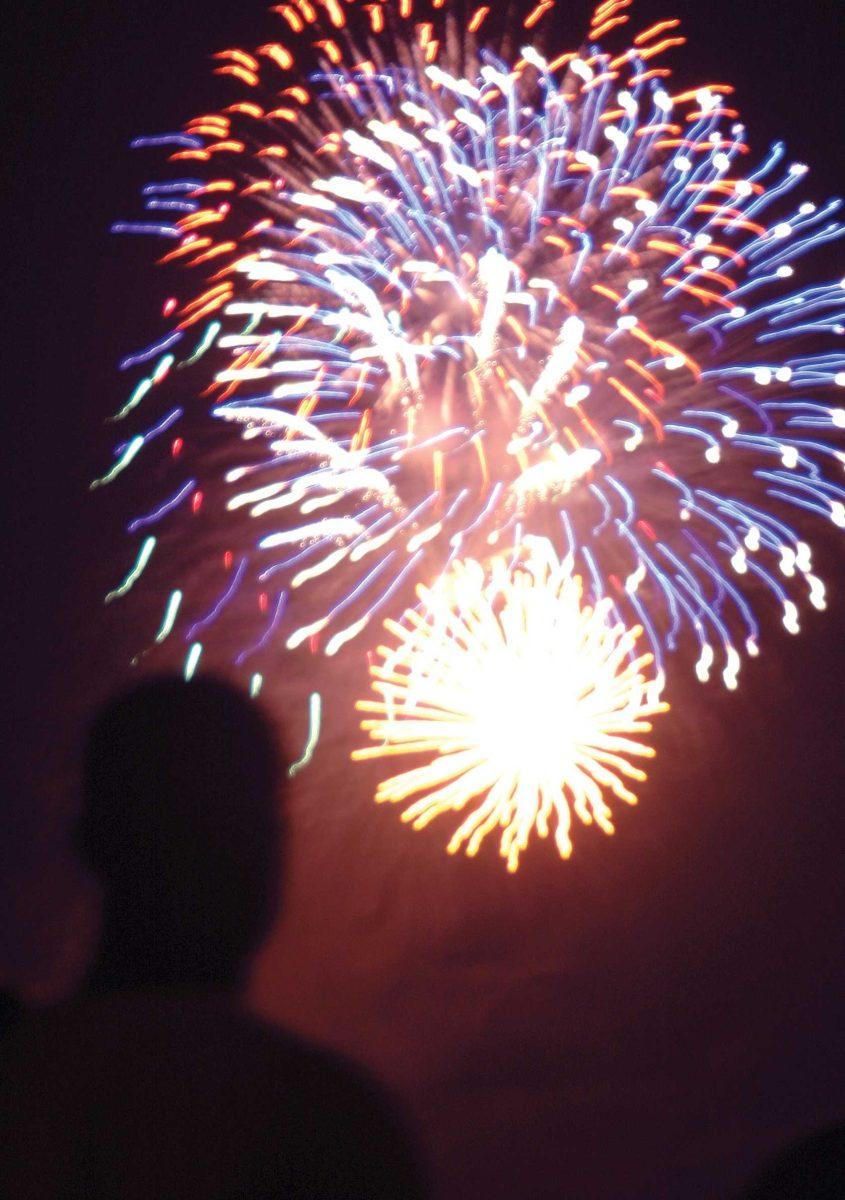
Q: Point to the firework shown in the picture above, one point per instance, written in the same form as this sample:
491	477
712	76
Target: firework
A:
462	290
522	697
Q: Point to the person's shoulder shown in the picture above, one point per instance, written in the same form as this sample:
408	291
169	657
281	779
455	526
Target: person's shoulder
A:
201	1066
347	1118
338	1082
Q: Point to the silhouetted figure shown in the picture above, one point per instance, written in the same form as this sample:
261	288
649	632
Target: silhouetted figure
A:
155	1083
812	1169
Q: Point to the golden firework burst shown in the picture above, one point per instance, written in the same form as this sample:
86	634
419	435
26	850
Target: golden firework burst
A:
528	704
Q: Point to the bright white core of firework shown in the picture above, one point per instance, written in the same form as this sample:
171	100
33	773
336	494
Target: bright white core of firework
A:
527	702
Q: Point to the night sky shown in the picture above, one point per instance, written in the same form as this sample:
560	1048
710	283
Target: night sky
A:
650	1020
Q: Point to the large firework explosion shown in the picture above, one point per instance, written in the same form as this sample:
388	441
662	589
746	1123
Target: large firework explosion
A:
526	697
467	300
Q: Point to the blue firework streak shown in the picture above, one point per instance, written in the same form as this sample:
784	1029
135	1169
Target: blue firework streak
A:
458	295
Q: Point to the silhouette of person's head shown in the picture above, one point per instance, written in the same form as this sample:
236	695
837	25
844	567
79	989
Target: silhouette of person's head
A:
182	825
158	1085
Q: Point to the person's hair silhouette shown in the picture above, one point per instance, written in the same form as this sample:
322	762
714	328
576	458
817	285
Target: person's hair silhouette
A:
813	1168
156	1082
182	825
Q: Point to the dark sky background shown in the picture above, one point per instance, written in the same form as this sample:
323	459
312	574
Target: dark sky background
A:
650	1020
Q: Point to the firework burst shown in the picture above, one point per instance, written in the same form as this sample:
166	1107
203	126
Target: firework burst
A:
463	290
522	698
